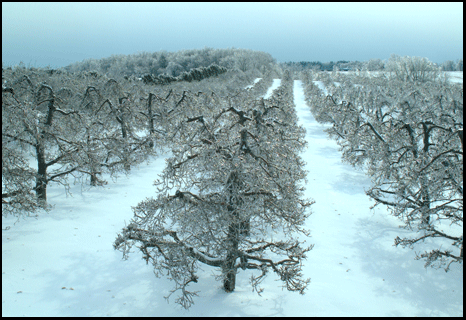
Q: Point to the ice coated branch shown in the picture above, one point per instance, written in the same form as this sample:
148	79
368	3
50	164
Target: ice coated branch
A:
230	180
416	169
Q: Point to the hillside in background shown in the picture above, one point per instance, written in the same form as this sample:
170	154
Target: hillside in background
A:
175	63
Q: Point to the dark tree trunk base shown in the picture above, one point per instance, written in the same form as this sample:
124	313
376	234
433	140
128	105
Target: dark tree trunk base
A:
229	283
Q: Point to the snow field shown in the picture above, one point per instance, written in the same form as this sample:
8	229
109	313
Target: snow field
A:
276	83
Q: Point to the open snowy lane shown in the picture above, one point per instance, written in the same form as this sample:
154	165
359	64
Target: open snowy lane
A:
354	267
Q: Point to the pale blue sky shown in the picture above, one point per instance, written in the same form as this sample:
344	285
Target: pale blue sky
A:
58	34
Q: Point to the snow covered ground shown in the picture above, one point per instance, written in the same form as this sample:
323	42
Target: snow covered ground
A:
252	85
275	84
63	262
455	76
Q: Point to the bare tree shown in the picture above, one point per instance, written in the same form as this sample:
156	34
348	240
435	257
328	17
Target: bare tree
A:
42	126
409	138
459	65
18	197
67	128
414	69
374	65
448	65
232	182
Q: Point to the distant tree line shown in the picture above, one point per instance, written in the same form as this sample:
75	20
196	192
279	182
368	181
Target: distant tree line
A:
370	65
174	64
197	74
323	66
450	65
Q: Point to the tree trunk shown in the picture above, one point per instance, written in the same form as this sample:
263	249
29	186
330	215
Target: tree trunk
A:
93	178
425	200
41	179
229	269
230	281
151	121
124	134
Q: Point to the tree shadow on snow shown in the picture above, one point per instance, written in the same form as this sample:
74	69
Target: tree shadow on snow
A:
315	131
431	290
94	285
351	183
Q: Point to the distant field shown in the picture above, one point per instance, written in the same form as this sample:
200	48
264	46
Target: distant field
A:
455	76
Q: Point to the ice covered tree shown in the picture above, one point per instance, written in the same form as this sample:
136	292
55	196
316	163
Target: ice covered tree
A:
459	65
448	65
409	138
415	69
67	126
121	114
373	65
34	121
230	197
18	182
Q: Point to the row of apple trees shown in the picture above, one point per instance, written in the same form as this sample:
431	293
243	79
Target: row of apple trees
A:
408	136
232	184
234	178
58	125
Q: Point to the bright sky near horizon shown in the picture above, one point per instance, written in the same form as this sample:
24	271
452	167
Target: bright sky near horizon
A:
57	34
